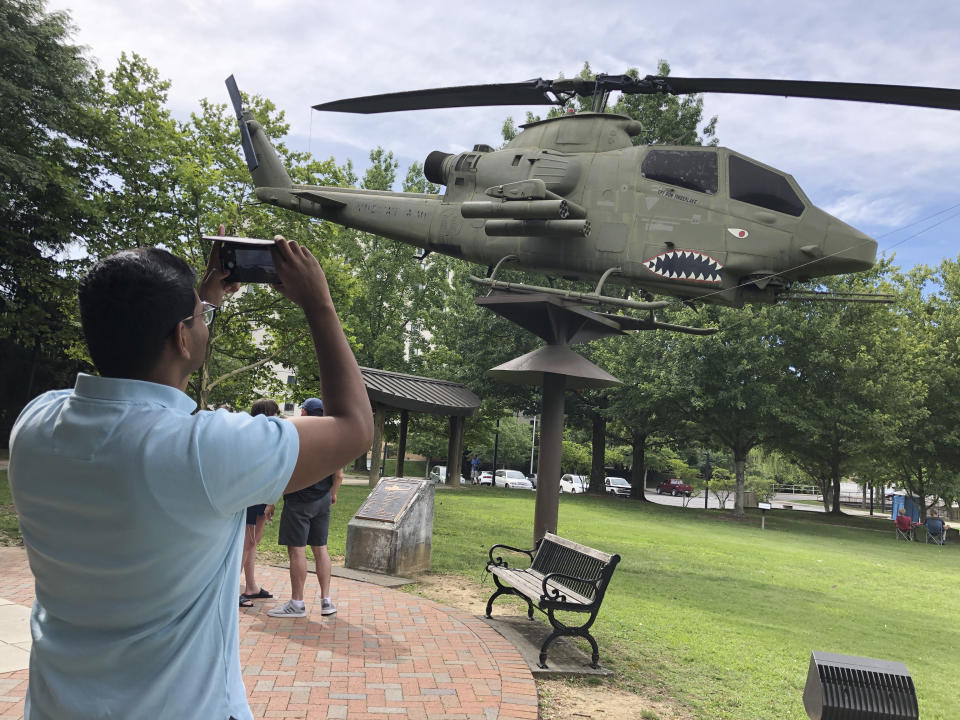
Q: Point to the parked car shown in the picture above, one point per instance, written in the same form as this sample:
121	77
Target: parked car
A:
486	478
512	479
674	486
533	480
617	486
438	474
573	484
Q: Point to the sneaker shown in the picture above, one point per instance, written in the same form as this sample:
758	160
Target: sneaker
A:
327	607
287	610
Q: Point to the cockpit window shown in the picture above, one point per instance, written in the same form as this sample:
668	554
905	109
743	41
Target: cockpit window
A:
684	168
753	184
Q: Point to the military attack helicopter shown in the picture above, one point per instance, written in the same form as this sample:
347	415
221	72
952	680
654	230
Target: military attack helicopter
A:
573	197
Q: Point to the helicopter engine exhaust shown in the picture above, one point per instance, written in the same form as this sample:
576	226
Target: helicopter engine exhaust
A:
433	167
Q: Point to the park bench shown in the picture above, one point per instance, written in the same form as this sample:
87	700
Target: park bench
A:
562	576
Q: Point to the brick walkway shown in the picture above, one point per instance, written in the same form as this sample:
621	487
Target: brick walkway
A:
385	654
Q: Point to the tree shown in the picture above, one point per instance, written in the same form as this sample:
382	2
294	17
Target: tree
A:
842	386
166	183
648	402
44	183
920	450
731	380
723	484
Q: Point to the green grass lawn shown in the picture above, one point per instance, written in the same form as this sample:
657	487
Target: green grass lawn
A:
718	614
714	613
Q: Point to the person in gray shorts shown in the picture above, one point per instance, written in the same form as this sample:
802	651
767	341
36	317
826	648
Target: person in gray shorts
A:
305	520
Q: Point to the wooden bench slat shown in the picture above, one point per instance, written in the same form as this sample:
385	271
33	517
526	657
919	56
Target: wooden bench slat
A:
531	584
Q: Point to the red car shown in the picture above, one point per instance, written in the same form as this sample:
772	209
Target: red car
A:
674	486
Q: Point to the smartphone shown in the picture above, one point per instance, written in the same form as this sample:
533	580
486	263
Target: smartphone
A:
247	259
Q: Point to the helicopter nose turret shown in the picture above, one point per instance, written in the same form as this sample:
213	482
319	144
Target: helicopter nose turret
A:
846	249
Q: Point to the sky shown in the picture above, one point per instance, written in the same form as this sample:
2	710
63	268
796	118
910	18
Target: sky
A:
889	171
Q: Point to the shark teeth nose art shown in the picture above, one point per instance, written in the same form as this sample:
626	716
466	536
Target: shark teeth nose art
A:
687	265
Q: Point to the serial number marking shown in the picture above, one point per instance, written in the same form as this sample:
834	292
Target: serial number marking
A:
366	207
672	194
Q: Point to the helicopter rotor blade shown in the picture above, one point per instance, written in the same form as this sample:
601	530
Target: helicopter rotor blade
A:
943	98
529	92
245	141
556	92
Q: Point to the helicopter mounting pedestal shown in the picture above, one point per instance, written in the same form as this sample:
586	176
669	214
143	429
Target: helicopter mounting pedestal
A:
556	368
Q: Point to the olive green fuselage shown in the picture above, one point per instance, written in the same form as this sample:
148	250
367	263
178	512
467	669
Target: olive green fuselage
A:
663	237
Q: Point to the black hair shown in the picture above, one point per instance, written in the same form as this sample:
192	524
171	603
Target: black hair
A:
265	406
130	302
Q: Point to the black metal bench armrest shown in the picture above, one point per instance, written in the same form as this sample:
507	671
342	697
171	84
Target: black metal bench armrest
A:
500	562
555	595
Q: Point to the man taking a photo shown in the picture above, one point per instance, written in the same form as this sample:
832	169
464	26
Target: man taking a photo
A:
132	507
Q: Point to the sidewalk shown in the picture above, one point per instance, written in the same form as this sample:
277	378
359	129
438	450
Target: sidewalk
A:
385	654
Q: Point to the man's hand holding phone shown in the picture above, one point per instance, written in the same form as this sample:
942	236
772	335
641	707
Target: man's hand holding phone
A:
215	284
301	278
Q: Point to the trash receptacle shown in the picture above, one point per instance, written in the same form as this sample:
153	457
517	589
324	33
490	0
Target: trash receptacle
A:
749	499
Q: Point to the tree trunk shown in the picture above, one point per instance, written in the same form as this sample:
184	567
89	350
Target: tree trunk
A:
835	481
599	453
638	474
920	494
739	469
826	490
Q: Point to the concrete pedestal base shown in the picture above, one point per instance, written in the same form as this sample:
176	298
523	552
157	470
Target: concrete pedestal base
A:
392	531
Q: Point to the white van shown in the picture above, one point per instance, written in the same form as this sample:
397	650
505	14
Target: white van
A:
573	484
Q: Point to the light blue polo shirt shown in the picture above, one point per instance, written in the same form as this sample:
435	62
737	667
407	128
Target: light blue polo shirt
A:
132	512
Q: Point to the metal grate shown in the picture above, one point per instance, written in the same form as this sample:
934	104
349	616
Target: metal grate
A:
844	687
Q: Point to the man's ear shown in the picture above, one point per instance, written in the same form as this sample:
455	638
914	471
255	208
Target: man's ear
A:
179	340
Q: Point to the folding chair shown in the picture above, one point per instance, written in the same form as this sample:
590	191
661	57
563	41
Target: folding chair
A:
938	538
902	534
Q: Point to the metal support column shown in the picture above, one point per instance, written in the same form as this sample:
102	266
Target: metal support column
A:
551	446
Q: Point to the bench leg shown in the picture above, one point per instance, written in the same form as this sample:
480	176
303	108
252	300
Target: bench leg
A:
497	593
595	658
559	630
543	648
507	590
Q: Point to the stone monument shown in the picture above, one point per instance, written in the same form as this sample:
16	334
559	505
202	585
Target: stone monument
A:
391	533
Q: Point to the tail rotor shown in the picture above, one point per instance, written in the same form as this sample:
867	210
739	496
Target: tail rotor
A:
245	141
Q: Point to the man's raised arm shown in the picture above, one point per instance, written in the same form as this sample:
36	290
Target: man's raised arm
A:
345	431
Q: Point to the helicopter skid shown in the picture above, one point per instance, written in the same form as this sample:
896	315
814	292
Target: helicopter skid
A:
580	297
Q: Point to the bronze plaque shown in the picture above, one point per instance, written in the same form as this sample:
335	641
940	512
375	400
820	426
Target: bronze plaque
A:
388	500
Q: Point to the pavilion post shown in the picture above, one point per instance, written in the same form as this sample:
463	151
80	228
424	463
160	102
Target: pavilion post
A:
455	450
379	415
402	446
